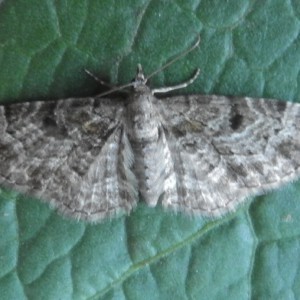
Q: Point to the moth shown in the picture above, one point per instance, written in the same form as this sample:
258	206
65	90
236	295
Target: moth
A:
93	158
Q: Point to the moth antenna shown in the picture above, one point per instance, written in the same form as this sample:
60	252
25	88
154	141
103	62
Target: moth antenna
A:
112	88
98	79
184	53
116	89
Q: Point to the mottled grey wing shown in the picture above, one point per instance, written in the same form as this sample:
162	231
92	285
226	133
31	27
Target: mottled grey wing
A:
225	149
73	153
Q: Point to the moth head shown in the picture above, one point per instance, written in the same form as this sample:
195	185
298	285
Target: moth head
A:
139	82
139	79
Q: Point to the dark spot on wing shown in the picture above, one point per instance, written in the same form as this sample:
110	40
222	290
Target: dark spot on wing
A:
49	122
237	170
281	106
177	132
236	121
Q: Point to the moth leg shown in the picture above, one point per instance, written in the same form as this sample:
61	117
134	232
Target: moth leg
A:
178	86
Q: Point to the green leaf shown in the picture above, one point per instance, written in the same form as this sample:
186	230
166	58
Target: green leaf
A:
248	48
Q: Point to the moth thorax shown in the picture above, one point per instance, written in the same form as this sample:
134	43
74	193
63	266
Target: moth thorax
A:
142	119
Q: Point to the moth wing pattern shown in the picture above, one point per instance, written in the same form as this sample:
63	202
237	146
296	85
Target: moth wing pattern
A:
73	153
227	149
